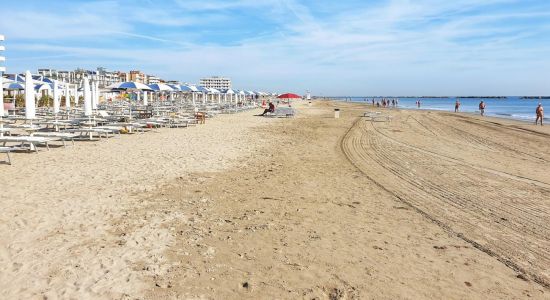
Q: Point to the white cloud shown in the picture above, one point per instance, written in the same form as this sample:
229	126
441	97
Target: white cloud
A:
416	47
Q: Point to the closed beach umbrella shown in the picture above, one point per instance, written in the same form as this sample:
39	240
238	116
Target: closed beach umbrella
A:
67	97
145	98
56	102
92	93
30	109
1	96
76	95
96	95
87	98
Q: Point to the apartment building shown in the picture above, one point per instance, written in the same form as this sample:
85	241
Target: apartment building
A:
137	76
216	82
153	79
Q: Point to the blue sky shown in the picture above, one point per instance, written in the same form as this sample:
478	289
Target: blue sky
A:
345	47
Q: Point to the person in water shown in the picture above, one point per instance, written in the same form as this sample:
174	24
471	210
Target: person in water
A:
482	108
540	114
457	105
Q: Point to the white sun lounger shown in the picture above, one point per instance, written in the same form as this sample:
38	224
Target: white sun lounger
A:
100	132
61	136
7	150
32	141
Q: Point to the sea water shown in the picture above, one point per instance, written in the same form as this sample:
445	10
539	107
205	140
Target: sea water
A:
509	107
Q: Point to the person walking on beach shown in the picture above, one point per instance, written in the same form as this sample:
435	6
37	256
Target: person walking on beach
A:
540	114
482	107
457	105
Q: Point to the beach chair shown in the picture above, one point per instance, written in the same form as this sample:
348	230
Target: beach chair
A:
285	112
377	117
60	136
31	141
7	150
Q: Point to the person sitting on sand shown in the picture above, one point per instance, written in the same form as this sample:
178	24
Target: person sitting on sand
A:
482	107
540	114
457	105
270	109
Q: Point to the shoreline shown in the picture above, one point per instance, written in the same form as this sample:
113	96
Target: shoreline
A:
473	114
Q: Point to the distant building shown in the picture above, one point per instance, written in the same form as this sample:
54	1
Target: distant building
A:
106	78
173	82
122	76
153	79
216	82
2	57
137	76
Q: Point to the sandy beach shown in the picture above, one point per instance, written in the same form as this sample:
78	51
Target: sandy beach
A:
431	205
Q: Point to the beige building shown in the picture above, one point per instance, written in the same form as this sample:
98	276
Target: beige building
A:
216	82
138	76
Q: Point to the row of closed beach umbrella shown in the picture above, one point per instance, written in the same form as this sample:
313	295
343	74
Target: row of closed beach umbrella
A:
90	91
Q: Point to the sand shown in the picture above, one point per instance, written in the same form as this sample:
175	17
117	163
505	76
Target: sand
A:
429	205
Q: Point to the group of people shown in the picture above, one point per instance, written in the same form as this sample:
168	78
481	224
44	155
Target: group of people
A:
539	111
385	102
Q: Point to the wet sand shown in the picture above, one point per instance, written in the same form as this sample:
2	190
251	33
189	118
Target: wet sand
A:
429	205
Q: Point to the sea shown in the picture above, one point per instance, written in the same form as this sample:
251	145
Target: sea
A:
511	107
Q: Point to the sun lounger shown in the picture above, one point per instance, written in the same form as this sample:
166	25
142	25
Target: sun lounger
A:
377	117
31	141
90	132
60	136
7	150
282	112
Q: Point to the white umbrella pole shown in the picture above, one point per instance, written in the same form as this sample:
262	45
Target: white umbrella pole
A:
1	96
1	105
56	102
67	97
76	96
30	109
145	98
87	98
96	95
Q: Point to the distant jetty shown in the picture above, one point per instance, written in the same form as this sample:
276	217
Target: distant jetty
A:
535	97
482	97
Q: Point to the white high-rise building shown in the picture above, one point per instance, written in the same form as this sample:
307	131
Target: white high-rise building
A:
216	82
2	58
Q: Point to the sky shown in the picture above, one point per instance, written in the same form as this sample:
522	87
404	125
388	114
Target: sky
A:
329	47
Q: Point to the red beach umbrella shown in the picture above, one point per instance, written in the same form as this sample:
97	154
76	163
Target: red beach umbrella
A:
289	96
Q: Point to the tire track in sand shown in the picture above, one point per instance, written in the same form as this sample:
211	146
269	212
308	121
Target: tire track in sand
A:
503	215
